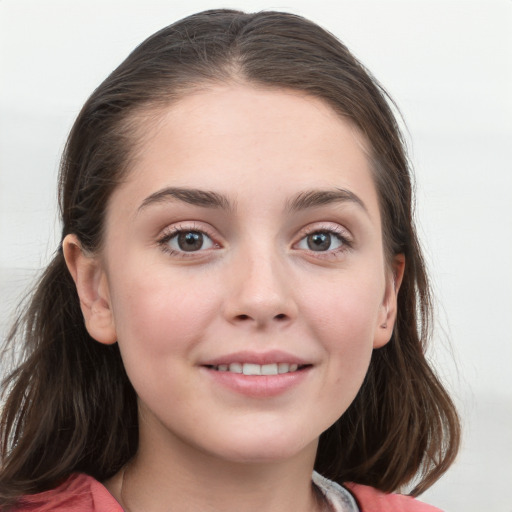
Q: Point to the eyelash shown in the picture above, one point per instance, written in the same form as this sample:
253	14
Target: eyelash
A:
339	233
173	232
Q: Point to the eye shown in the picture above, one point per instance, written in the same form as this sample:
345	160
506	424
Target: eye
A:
188	241
323	241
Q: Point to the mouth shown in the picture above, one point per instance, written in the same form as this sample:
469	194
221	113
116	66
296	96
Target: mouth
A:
259	369
260	375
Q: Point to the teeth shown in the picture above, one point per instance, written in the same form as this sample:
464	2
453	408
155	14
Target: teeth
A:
258	369
269	369
283	367
236	368
251	369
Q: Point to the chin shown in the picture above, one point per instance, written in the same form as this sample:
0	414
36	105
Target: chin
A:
265	449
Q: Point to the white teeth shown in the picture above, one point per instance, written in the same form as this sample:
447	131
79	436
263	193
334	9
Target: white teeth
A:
269	369
235	368
258	369
283	367
251	369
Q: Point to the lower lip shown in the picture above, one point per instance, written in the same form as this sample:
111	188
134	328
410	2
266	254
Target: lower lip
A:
258	386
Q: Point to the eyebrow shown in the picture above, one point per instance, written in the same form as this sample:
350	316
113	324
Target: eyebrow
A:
315	198
208	199
196	197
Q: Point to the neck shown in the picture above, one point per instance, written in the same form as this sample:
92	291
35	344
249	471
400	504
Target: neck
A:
172	478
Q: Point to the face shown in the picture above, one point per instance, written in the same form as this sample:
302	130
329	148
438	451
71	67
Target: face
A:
243	274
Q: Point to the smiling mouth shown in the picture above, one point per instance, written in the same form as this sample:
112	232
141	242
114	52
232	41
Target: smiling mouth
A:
259	369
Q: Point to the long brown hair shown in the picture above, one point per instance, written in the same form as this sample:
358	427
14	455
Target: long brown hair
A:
69	405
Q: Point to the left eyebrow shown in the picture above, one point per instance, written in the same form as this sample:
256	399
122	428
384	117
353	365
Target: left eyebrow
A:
315	198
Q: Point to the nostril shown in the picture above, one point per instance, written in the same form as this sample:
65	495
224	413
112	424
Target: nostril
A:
281	316
243	317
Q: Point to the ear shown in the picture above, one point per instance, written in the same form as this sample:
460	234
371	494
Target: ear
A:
92	287
388	308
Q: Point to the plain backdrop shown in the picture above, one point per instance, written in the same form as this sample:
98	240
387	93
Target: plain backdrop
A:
448	65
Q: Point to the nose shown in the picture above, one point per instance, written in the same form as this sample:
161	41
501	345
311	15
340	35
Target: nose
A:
260	293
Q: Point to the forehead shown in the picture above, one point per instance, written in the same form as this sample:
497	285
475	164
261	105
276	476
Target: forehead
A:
230	138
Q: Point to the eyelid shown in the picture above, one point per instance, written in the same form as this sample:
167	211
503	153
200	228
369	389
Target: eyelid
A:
169	232
328	227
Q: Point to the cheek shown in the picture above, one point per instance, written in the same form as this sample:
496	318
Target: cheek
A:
346	307
344	317
158	327
154	317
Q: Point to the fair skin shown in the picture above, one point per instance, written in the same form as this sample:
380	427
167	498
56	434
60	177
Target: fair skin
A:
247	232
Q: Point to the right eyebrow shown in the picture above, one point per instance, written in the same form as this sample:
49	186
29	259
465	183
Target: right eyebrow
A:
196	197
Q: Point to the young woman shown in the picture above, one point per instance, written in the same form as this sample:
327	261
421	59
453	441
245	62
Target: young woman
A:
237	316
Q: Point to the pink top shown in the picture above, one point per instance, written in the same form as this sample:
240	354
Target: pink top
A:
372	500
82	493
79	493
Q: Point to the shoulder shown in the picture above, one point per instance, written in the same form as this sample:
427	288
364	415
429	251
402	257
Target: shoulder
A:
356	497
339	499
372	500
79	493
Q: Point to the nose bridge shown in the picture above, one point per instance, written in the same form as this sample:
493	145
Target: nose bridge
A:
260	290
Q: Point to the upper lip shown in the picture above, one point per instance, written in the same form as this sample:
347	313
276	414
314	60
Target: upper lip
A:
269	357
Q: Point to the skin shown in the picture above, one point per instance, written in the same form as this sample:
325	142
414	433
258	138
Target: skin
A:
255	285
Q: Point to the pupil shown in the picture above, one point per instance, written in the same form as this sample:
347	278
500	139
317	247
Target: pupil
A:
319	241
190	241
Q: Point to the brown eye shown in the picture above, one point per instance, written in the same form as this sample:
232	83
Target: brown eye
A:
324	240
320	241
189	241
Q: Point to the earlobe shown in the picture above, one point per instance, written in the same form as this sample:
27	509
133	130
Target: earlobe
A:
92	288
388	308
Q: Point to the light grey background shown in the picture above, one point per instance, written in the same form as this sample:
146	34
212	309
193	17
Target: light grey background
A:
448	64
